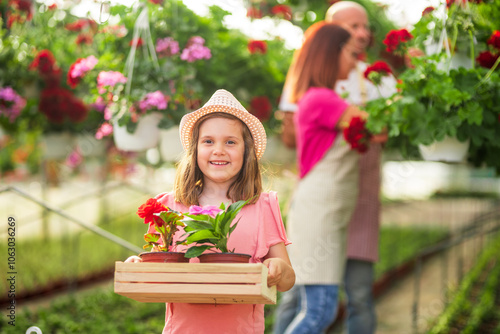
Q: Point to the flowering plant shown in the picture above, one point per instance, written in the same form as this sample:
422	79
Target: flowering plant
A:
166	223
210	227
452	91
357	135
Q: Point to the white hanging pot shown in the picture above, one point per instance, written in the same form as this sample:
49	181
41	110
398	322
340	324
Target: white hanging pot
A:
89	146
448	150
146	135
170	144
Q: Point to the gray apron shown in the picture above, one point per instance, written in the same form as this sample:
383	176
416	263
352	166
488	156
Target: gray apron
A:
321	208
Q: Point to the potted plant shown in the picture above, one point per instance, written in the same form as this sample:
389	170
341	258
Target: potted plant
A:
166	223
438	98
209	228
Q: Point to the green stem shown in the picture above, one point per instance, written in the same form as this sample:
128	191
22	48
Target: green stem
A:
492	69
472	58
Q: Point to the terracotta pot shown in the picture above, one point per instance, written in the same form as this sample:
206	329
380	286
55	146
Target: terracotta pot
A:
166	257
224	258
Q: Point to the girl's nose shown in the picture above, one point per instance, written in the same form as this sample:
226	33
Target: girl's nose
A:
219	149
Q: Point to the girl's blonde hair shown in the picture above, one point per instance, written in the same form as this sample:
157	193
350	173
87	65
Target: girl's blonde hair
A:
188	184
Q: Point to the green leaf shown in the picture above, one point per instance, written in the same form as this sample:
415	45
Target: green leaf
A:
196	251
200	235
151	237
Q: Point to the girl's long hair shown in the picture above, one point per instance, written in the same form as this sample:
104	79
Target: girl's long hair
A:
316	63
188	184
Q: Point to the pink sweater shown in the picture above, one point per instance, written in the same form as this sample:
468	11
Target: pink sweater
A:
259	228
319	111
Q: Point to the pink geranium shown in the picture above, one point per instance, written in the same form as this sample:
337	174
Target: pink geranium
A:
210	210
195	50
11	103
167	47
79	68
105	130
108	79
154	100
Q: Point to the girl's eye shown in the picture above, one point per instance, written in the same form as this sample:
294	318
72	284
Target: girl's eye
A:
231	142
207	141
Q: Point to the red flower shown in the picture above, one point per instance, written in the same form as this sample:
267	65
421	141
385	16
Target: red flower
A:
395	40
137	41
156	2
23	6
53	6
282	11
487	59
376	71
254	13
261	107
427	10
357	135
148	209
81	24
257	46
494	40
84	39
59	104
44	62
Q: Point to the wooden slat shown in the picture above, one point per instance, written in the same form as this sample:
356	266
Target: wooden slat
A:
194	283
188	277
188	267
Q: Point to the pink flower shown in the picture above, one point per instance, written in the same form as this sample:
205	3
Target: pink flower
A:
74	159
11	103
109	79
105	130
167	47
155	100
195	50
210	210
79	68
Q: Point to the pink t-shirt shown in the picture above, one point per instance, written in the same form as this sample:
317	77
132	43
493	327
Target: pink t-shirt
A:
319	110
259	228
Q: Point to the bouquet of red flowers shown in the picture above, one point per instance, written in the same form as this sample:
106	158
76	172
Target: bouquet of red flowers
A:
357	135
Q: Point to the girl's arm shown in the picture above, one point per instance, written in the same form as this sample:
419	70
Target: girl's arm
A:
280	272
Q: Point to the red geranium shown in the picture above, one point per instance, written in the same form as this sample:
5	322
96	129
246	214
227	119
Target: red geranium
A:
138	42
81	24
357	135
427	10
376	71
59	104
23	6
487	59
396	39
282	11
45	63
257	46
254	13
84	39
494	40
261	107
148	209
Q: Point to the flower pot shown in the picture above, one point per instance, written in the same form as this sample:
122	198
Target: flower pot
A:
224	258
146	135
57	145
165	257
448	150
170	144
90	146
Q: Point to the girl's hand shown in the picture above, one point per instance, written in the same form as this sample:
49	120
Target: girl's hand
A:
275	273
133	259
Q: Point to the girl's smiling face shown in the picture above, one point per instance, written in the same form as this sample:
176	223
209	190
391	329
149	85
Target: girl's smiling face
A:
221	150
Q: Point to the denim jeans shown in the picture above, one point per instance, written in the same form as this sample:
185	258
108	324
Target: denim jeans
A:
318	308
361	311
358	280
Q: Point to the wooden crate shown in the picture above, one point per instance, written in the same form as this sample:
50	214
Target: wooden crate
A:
238	283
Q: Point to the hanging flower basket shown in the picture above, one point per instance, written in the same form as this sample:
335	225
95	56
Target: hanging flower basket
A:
146	135
57	145
448	150
170	144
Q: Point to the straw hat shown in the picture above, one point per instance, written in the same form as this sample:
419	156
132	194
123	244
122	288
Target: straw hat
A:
223	101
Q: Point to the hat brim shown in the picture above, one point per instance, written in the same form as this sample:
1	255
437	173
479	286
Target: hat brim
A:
254	125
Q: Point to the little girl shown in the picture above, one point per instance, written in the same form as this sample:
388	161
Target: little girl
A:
223	143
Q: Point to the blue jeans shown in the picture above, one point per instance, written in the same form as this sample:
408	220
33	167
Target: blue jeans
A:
361	311
317	309
359	276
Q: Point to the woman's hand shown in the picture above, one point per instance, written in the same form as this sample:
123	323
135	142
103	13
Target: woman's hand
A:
133	259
